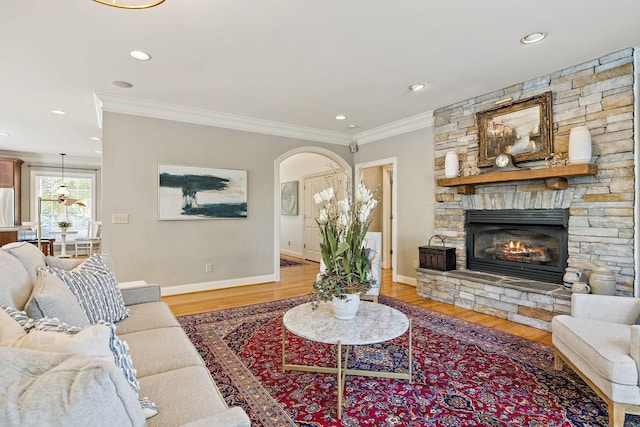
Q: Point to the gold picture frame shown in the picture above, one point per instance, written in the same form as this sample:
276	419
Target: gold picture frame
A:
522	129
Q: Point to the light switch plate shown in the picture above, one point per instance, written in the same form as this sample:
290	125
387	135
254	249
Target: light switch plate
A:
120	218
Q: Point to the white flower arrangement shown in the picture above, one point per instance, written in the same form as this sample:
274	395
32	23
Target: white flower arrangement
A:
343	225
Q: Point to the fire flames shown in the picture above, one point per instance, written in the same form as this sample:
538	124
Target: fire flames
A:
515	250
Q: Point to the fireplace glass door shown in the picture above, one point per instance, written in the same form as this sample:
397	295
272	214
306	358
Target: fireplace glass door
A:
530	244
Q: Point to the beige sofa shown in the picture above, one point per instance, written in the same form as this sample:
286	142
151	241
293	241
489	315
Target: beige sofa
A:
169	369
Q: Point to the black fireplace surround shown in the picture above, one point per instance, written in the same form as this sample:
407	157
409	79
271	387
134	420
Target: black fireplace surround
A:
528	243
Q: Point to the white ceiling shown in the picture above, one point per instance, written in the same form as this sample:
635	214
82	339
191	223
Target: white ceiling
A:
289	61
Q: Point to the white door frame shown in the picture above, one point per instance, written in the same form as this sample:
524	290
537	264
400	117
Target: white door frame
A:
342	163
394	204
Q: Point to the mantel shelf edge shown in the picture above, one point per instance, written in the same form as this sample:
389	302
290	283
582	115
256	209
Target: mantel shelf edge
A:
555	177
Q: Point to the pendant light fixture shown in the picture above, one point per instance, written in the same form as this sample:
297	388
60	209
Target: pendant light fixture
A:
131	4
62	192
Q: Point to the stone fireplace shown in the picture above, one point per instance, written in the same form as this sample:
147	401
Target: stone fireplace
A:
599	208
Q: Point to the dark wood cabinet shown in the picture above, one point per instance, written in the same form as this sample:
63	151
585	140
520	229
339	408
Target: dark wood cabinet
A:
10	174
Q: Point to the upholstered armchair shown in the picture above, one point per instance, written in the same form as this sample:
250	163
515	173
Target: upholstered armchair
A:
600	341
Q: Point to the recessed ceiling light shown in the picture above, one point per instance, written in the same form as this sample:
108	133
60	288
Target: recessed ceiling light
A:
341	117
95	138
140	55
417	86
58	112
532	38
98	151
4	134
353	126
122	84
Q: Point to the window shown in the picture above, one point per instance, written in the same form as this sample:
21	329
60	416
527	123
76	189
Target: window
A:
81	186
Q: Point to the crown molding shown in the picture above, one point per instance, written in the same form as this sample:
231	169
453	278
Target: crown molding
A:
419	121
180	113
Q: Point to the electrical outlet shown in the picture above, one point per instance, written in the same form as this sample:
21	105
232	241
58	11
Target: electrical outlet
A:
207	267
415	263
120	218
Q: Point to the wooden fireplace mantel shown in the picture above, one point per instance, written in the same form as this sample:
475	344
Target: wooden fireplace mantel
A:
555	177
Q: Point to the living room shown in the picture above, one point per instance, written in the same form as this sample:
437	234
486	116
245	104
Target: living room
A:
137	134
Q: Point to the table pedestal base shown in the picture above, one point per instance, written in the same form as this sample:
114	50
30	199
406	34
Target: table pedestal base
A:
341	369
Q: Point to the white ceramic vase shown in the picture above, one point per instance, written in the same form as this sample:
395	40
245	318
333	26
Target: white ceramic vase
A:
451	164
346	309
579	145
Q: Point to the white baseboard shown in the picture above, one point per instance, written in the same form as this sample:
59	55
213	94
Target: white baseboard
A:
291	253
407	280
221	284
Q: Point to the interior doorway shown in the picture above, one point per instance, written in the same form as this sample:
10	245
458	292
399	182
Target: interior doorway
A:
293	166
379	175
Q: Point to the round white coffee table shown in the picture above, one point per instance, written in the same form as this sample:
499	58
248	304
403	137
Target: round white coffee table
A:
374	323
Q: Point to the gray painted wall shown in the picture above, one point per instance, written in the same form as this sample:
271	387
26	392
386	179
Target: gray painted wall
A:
415	179
175	252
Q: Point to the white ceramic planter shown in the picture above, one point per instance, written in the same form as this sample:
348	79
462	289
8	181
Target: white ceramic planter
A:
346	309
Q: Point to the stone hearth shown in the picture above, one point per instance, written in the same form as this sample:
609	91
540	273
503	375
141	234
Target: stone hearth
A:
523	301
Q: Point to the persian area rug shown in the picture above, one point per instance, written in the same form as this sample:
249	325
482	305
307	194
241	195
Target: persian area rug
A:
463	374
290	262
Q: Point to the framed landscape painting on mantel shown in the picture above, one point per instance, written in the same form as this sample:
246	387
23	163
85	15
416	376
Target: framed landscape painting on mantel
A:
193	193
522	129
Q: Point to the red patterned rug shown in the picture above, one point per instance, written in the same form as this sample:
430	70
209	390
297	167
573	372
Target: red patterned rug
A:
464	374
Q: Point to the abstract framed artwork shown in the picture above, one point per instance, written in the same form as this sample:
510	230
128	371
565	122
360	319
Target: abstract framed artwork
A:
289	198
522	129
194	193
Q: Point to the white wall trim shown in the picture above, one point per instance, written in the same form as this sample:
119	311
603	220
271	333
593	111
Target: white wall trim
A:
407	280
342	163
419	121
181	113
220	284
636	91
394	205
291	253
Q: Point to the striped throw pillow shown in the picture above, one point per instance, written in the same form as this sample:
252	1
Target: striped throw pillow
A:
96	289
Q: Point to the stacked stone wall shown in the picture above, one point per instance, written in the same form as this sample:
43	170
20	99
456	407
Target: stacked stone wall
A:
598	94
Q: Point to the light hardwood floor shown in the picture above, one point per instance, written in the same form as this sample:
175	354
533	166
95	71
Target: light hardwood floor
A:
296	281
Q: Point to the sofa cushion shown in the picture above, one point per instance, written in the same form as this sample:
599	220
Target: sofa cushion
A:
66	264
46	389
603	345
51	297
151	315
29	255
161	350
96	290
191	395
15	283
